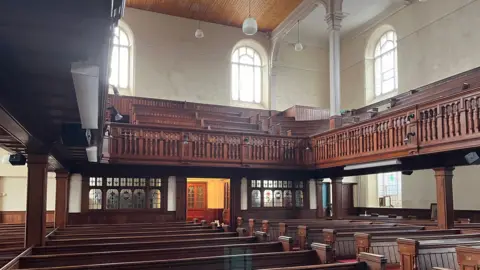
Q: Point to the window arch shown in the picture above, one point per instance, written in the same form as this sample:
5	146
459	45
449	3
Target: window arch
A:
385	55
121	61
381	65
247	75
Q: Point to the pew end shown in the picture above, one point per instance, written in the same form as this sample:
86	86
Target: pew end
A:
373	261
362	242
324	252
468	257
287	243
408	249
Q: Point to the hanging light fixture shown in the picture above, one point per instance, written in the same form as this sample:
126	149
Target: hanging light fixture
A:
249	26
199	32
298	45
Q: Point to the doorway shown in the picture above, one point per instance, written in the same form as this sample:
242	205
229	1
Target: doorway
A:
208	199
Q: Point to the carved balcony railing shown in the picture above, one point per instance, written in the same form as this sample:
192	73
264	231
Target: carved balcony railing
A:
442	124
173	146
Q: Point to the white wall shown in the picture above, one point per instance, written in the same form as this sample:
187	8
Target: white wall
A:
436	39
75	194
302	77
170	63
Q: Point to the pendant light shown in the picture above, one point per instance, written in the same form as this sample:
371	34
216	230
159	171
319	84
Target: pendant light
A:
298	45
199	32
249	26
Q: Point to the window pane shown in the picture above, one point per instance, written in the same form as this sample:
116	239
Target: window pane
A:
267	198
246	83
270	183
126	200
190	197
256	60
378	77
253	182
123	182
138	198
265	183
387	61
124	39
259	183
250	52
92	181
287	195
256	198
200	202
99	181
277	198
274	183
112	199
114	62
388	86
235	82
155	199
95	199
116	182
124	67
298	198
258	84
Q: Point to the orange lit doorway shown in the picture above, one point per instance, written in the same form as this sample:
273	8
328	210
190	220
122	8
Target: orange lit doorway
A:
208	199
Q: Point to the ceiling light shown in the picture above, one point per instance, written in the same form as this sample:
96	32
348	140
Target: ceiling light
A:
373	164
199	32
298	45
86	82
249	26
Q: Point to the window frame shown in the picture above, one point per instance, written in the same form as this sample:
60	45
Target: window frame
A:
273	189
123	28
260	68
146	189
381	72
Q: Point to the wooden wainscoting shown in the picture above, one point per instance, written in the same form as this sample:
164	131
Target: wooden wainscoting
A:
473	215
120	217
18	217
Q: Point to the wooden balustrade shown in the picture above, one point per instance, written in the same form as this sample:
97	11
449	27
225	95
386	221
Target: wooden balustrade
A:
141	143
444	123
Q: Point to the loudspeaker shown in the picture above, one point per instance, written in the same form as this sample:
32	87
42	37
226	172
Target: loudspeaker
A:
472	158
17	159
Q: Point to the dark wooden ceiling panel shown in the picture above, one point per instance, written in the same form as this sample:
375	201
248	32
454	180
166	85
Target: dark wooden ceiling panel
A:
269	13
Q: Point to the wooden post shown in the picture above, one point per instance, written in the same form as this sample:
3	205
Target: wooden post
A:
443	177
85	190
337	198
61	202
181	190
36	200
320	210
235	201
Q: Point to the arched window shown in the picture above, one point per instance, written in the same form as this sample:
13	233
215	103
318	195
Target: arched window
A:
246	75
121	60
385	62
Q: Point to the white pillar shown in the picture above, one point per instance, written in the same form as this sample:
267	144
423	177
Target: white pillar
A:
75	194
243	194
312	192
172	194
334	18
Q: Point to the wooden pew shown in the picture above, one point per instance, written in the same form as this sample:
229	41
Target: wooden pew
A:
468	257
71	259
101	246
366	261
438	252
124	239
385	243
67	235
342	238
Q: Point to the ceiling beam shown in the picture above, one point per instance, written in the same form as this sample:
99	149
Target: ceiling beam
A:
298	14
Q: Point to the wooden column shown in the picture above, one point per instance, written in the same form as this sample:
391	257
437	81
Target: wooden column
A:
84	204
181	190
36	200
443	177
235	201
337	198
320	209
61	195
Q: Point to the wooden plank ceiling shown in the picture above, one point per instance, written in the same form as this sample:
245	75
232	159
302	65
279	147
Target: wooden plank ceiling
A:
268	13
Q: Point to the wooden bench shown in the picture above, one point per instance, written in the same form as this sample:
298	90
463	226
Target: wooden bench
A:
438	252
366	261
120	239
68	235
342	238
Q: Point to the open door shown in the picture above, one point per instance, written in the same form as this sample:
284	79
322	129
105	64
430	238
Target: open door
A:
196	200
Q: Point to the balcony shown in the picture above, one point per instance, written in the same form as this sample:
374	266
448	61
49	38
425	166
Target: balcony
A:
438	118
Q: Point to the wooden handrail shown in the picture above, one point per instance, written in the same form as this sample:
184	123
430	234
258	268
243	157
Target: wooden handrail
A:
13	264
